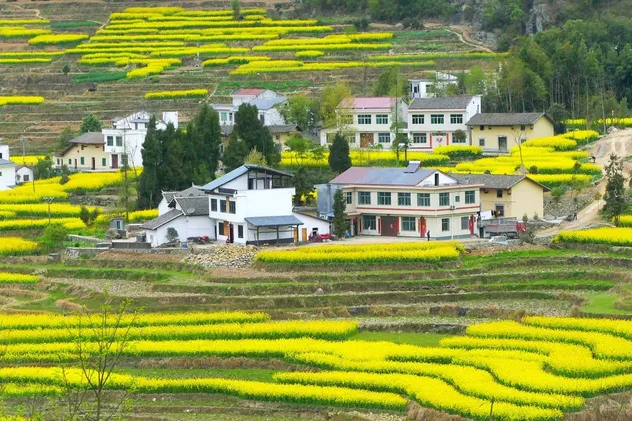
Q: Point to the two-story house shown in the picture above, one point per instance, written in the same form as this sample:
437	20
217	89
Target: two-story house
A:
265	100
7	169
249	205
84	153
368	121
433	121
408	202
124	140
497	133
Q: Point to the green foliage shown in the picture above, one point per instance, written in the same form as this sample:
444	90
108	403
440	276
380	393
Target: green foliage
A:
54	237
172	234
66	135
99	77
475	81
303	182
90	123
339	223
201	146
73	24
391	83
339	159
149	192
65	70
459	136
557	193
300	110
254	134
615	197
255	157
234	4
235	153
64	175
331	97
43	169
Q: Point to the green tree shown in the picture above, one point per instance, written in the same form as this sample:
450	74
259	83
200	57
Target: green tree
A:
475	81
300	110
126	192
172	175
390	83
201	146
255	157
65	136
149	193
254	134
236	9
614	197
339	158
339	223
332	95
303	182
90	123
235	153
54	237
43	168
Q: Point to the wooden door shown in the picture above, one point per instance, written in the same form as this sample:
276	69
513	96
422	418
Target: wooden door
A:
366	140
94	163
114	161
390	226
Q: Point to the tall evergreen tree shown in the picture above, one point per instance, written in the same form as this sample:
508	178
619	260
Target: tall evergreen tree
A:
90	123
339	223
149	182
615	189
339	159
255	135
172	174
235	153
201	146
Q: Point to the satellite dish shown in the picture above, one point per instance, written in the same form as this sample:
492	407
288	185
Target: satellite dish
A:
191	210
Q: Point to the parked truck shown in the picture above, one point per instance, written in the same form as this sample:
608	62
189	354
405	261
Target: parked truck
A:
509	226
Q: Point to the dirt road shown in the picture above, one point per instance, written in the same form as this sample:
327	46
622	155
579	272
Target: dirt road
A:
620	143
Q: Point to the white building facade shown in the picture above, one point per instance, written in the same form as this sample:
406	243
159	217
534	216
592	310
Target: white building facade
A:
433	121
7	169
265	100
368	121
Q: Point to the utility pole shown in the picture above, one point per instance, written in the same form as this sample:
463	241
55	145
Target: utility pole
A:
49	200
23	141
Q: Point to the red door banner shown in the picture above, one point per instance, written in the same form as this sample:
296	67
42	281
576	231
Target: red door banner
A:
471	225
422	227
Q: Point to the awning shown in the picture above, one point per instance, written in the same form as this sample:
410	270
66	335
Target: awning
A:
273	221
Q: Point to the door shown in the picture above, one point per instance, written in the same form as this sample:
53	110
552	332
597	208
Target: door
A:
231	233
94	163
114	161
366	140
75	163
502	143
422	227
439	139
390	226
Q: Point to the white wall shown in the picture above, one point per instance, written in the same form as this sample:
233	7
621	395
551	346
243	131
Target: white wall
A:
4	152
187	226
25	171
163	207
310	222
271	117
132	145
7	176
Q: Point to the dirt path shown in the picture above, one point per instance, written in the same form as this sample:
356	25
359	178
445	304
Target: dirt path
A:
620	143
463	33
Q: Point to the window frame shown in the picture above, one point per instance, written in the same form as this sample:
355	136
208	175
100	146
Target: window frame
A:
404	199
466	226
437	119
349	198
364	198
232	207
119	141
380	117
499	193
240	231
381	135
222	205
364	119
455	117
220	228
109	140
470	197
409	223
382	197
213	205
418	119
372	223
421	197
481	142
425	138
442	199
445	224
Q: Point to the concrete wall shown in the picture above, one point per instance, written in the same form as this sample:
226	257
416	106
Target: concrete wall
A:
25	175
490	134
526	197
72	158
132	142
7	176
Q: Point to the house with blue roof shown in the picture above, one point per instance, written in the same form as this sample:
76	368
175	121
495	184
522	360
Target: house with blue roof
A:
265	100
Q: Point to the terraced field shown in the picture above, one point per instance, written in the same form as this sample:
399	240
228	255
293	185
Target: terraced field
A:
90	88
336	332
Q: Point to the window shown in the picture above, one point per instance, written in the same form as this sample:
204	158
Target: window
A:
470	197
420	138
465	223
408	223
481	128
423	199
436	118
223	116
119	141
70	162
82	160
481	141
445	224
364	119
103	162
222	206
221	228
230	116
124	159
369	223
500	211
26	178
457	198
499	193
232	207
381	119
403	199
456	118
349	197
418	119
58	161
523	128
240	231
0	173
384	198
213	205
364	198
277	137
384	137
444	199
262	118
110	140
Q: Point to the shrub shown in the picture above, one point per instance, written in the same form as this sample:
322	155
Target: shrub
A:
54	236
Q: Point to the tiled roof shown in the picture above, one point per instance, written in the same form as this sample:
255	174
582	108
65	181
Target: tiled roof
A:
382	176
273	221
7	162
90	138
283	128
249	91
237	172
192	191
162	219
193	206
441	103
505	119
267	103
369	102
493	181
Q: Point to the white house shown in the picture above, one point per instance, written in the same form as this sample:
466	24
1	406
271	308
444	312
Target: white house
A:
426	88
23	174
124	140
368	121
249	205
433	121
7	169
407	202
265	100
